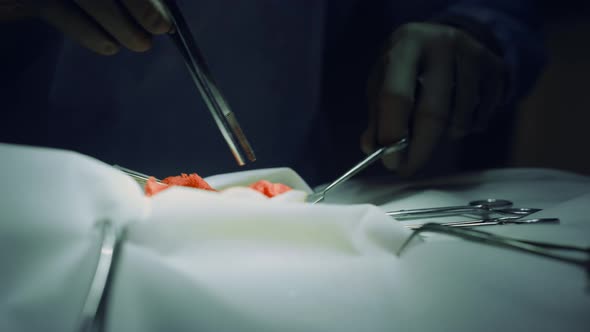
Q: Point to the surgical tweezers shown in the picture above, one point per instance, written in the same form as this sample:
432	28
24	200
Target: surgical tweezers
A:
197	66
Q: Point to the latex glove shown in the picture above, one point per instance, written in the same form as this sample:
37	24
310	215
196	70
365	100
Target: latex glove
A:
460	83
100	25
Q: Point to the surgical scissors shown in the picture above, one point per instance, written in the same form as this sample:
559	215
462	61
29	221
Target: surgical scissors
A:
490	205
515	220
199	70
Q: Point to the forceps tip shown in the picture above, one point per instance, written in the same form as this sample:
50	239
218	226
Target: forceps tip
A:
397	146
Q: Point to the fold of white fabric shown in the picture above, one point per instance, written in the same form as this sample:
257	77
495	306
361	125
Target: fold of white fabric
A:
201	263
245	260
50	201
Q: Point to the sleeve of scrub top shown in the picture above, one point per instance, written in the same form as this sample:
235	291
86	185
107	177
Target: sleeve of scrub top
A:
511	28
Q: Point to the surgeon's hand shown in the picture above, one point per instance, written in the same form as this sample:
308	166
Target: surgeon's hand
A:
100	25
459	83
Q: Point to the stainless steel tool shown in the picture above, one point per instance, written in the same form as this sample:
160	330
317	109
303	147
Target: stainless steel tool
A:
318	196
514	220
199	70
485	205
542	249
99	281
140	178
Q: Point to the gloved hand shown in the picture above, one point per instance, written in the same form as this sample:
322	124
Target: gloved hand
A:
100	25
460	83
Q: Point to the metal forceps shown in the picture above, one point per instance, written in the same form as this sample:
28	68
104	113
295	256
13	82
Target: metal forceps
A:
318	196
104	270
537	248
197	66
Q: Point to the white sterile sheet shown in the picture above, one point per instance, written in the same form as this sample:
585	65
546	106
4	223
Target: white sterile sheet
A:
457	285
200	261
190	259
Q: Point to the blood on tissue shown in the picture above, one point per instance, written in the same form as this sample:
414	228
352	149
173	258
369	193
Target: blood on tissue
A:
270	189
153	187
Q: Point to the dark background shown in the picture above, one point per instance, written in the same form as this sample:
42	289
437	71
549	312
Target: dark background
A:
553	126
553	121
